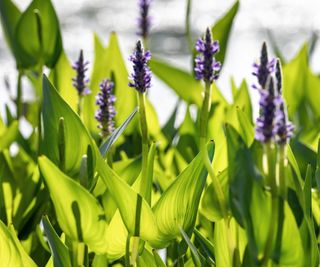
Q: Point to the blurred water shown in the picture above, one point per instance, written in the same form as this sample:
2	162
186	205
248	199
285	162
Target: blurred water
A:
291	21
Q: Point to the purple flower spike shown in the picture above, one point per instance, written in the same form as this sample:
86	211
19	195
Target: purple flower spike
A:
141	76
283	129
265	68
80	82
265	122
144	21
206	67
106	111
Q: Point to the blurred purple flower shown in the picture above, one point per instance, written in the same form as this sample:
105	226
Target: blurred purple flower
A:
206	67
141	76
264	69
144	21
283	129
106	112
268	105
80	82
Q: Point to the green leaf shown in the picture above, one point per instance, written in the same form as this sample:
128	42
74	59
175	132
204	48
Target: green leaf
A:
177	208
221	30
127	204
104	148
77	137
182	82
9	135
60	252
10	16
61	78
12	253
79	214
193	249
242	100
38	43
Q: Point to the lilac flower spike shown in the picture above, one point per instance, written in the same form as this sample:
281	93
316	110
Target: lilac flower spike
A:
106	112
283	128
265	122
144	20
80	82
141	76
264	69
206	67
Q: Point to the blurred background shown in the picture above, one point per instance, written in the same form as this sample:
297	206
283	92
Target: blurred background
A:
290	22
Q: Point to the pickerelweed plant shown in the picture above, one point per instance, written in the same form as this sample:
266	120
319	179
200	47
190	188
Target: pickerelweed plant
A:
114	187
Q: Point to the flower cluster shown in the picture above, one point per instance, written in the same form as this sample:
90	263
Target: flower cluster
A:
144	20
141	76
264	69
106	112
272	124
206	67
80	82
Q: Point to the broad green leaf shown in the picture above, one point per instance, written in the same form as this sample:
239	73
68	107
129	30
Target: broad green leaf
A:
79	214
8	135
146	259
104	148
60	252
127	204
178	205
221	30
10	16
38	44
12	253
182	82
76	136
109	63
61	78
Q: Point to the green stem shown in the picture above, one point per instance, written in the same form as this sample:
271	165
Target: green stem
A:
144	175
79	106
271	175
19	94
203	149
145	143
282	173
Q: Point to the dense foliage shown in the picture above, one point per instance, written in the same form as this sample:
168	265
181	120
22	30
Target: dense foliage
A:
99	182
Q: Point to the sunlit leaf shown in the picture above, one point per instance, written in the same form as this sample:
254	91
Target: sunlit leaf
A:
79	214
12	253
38	44
221	30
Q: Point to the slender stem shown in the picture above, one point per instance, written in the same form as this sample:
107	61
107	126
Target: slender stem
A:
135	250
144	175
203	149
145	143
271	175
79	107
19	94
282	174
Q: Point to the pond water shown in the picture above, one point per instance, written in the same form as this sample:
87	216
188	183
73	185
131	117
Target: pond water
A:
291	22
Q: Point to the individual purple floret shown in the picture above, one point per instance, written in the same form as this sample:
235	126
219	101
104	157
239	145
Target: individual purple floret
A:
206	67
141	76
265	68
106	112
144	21
80	82
283	129
268	104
